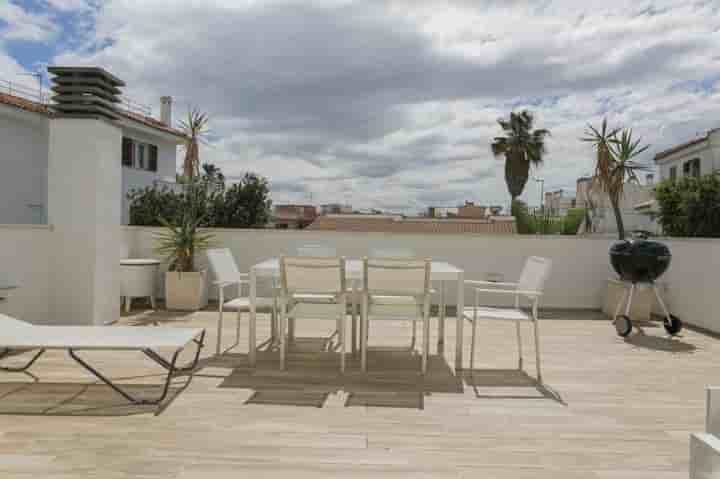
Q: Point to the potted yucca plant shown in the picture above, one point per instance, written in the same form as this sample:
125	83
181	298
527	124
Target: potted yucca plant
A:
185	287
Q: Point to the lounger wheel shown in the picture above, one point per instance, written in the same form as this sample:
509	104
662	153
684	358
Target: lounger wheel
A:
673	325
623	325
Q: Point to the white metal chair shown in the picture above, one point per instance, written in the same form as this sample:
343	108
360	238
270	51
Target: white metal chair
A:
222	263
529	287
395	289
312	287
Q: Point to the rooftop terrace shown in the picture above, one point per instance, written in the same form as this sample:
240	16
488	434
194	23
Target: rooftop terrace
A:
613	408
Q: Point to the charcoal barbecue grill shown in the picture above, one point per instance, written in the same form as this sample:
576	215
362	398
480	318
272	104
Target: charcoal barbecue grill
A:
640	262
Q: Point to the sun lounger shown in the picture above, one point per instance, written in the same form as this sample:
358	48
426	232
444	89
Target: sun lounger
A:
19	335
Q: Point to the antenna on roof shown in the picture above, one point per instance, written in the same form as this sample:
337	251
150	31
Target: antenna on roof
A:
37	74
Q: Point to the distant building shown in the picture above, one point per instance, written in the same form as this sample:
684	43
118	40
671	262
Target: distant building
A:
293	216
694	158
582	190
467	211
557	203
602	216
503	225
442	212
472	211
335	209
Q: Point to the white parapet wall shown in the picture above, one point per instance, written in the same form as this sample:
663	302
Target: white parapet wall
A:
24	257
578	280
580	266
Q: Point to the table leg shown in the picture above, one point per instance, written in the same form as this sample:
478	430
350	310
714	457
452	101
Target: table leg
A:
128	303
459	321
353	315
152	302
252	342
441	320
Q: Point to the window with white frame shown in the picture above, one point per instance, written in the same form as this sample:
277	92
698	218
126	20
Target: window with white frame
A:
139	155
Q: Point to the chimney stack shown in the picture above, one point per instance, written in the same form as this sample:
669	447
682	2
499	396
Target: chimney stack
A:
166	110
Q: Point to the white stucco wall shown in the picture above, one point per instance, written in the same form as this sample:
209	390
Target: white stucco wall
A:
578	278
23	166
83	189
134	178
24	163
24	261
708	151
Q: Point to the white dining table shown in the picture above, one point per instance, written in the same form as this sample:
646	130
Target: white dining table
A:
440	272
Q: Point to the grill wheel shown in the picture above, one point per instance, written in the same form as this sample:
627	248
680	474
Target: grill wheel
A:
623	325
673	326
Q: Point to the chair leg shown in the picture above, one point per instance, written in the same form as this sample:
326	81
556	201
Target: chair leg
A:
519	340
281	333
414	335
341	334
237	332
363	334
426	337
537	351
472	345
219	328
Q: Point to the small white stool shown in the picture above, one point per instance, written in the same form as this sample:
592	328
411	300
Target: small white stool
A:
138	278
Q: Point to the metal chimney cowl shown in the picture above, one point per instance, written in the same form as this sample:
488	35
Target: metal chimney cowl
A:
85	92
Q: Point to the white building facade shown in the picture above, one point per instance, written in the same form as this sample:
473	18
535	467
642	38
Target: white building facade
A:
148	154
694	158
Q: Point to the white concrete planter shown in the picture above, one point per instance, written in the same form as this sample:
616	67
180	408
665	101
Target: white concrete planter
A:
186	291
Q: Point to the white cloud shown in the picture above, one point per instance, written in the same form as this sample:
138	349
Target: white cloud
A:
23	25
393	103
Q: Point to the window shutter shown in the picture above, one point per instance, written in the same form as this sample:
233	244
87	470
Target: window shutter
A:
153	157
127	152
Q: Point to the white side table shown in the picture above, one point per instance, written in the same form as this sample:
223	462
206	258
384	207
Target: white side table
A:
138	279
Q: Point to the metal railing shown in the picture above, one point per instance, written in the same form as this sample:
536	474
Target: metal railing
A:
42	95
23	91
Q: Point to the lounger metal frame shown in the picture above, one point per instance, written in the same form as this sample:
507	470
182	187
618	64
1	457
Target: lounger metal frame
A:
170	366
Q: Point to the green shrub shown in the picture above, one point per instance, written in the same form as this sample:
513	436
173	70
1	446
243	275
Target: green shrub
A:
690	206
245	204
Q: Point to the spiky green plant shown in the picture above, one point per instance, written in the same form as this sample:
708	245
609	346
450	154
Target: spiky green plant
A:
182	239
616	165
195	127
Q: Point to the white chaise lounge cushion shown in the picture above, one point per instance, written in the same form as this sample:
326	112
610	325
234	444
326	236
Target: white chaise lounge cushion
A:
16	334
509	314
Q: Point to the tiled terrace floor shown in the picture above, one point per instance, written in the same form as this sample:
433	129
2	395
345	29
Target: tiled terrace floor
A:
620	409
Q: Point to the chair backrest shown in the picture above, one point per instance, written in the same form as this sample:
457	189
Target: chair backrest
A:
312	274
396	276
317	251
534	274
391	252
222	263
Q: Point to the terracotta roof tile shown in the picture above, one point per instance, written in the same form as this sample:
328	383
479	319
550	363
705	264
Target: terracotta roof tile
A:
680	147
24	104
35	107
389	225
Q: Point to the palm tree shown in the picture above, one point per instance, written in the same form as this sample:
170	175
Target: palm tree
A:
616	165
195	128
522	147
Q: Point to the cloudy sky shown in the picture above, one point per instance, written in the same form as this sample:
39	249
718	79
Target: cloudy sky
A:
391	104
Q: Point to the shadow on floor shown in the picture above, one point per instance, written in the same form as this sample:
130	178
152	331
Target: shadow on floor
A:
76	399
508	384
312	375
657	342
157	317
